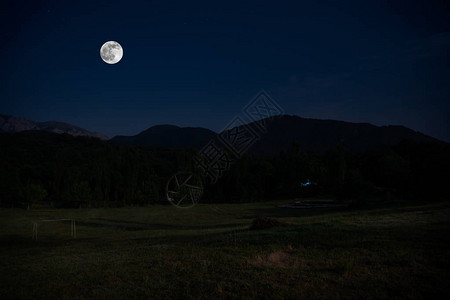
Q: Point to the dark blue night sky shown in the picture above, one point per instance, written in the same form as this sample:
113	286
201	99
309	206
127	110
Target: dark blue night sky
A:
193	63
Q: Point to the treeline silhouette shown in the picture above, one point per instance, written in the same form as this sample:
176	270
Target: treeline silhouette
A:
66	171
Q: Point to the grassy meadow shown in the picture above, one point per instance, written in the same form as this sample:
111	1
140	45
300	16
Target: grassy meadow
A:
208	252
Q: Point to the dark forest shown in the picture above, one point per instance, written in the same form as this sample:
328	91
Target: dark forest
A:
39	168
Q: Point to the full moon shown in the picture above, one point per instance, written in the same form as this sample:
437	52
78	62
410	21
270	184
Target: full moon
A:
111	52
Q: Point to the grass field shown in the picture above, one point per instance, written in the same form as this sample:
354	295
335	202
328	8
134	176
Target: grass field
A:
208	252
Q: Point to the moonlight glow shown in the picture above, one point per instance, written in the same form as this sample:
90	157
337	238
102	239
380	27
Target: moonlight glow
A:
111	52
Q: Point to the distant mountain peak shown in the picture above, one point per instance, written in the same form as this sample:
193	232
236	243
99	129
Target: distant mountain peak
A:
320	135
164	126
168	136
11	124
160	128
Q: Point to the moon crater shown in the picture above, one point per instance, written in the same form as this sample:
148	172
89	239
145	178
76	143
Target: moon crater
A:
111	52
